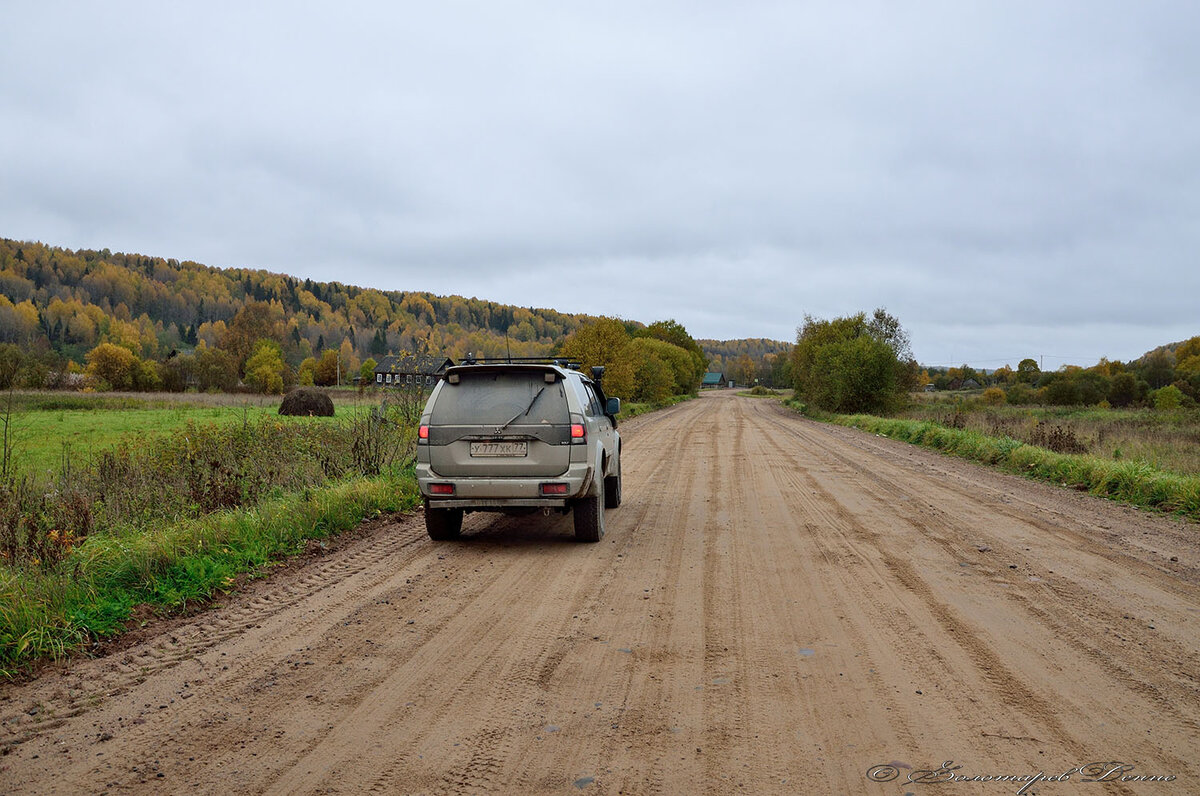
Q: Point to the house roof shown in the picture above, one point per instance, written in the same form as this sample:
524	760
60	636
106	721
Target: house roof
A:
423	364
713	378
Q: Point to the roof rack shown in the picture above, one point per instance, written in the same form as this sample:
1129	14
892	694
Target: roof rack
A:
562	362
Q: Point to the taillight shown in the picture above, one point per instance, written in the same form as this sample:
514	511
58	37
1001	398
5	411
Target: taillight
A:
423	432
578	431
554	489
441	489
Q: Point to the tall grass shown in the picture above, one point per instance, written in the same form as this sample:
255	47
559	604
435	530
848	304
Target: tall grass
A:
186	473
167	520
1165	439
46	613
1133	482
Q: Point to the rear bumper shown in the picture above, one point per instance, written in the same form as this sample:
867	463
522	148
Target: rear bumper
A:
501	493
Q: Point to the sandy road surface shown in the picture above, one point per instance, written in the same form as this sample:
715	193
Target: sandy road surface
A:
778	607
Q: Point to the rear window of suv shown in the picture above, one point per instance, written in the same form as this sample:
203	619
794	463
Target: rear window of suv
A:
496	398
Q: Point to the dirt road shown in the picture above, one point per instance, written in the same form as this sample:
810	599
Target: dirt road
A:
778	607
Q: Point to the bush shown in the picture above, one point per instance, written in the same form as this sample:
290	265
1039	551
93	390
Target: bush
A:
113	365
853	364
1169	397
1020	394
1122	390
993	396
1063	391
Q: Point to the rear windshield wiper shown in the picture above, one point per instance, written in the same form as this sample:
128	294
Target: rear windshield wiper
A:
521	414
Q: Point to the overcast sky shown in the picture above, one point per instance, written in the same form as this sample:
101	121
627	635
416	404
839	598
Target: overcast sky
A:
1010	179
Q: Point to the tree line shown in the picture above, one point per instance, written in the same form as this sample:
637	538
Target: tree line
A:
864	364
1167	377
132	322
750	361
642	363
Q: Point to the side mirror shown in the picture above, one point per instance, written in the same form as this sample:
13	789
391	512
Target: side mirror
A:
612	407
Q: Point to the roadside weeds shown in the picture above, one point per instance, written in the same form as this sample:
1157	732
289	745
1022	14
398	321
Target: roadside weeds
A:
49	614
1134	482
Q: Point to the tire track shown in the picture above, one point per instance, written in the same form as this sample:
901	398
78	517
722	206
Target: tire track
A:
1059	597
98	684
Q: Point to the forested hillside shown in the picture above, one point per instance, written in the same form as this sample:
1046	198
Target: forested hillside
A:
69	301
135	322
750	359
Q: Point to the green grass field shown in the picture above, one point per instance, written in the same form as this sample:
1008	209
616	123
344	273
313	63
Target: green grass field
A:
168	498
52	427
49	428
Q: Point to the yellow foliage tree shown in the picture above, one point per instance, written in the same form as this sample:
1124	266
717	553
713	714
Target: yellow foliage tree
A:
604	342
1187	358
115	365
265	368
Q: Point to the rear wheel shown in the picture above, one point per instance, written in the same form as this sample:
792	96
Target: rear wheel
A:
443	524
589	517
612	489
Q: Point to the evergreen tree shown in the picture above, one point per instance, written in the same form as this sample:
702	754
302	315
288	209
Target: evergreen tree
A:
379	343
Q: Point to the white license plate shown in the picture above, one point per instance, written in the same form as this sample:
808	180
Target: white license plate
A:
499	448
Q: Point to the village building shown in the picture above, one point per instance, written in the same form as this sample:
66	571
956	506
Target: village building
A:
414	370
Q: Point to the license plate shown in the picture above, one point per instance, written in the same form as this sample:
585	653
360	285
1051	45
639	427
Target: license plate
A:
499	448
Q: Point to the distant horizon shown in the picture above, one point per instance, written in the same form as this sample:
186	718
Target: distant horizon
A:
993	363
1008	183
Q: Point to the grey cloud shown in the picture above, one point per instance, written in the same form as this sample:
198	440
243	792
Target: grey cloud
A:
992	172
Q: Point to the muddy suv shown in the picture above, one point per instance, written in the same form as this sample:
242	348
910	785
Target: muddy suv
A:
516	437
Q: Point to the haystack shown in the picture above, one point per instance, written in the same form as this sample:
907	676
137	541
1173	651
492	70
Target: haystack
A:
307	402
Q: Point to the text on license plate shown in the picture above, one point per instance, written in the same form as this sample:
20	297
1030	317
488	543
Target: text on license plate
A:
499	448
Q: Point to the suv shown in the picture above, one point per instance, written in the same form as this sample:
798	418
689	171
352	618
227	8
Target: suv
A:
516	437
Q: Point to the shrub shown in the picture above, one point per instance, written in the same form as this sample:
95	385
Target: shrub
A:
1063	391
853	364
113	365
1122	390
1169	397
1020	394
993	396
